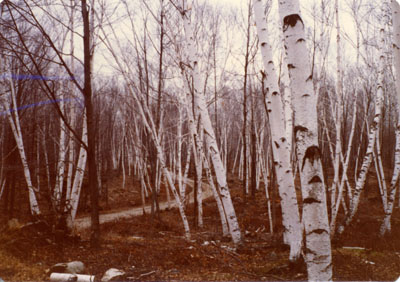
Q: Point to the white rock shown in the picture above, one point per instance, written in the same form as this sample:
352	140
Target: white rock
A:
111	274
73	267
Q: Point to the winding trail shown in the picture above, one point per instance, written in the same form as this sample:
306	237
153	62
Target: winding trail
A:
84	222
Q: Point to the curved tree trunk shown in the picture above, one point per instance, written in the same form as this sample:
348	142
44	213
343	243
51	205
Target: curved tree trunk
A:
208	129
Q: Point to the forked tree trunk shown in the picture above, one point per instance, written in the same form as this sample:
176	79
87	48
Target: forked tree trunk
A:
281	147
207	125
373	130
386	224
315	215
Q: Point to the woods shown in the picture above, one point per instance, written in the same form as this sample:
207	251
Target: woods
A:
289	105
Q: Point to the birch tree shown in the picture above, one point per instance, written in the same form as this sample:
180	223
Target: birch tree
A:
281	146
386	224
209	135
315	216
372	135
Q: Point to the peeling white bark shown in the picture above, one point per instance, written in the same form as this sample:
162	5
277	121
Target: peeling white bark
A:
79	173
315	216
13	118
280	145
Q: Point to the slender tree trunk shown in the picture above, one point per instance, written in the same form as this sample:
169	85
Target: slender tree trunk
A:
280	146
386	224
208	129
91	152
16	129
373	131
79	173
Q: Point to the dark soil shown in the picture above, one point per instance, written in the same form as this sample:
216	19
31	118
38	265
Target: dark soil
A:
150	249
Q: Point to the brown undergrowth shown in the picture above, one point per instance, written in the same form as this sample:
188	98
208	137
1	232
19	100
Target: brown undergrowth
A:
155	249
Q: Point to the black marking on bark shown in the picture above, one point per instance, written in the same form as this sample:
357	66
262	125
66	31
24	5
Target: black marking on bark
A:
315	179
312	154
299	128
309	251
263	44
328	266
270	62
276	144
274	93
283	139
319	231
311	201
309	78
263	74
291	20
300	40
290	66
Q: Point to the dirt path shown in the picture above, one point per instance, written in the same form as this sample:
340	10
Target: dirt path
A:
84	222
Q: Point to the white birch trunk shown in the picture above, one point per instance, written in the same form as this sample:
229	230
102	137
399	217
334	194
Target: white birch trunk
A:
208	129
374	129
62	151
71	154
225	229
386	224
264	165
16	129
185	174
179	152
281	150
2	184
315	215
148	122
339	114
79	173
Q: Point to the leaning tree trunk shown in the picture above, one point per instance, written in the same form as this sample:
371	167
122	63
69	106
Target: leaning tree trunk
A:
281	146
208	129
386	224
373	130
16	129
79	173
315	215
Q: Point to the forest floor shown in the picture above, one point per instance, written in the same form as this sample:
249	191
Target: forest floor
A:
112	215
155	249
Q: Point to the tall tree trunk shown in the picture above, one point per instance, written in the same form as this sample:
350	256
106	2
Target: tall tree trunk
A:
386	224
91	152
208	129
315	215
13	118
280	145
373	131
